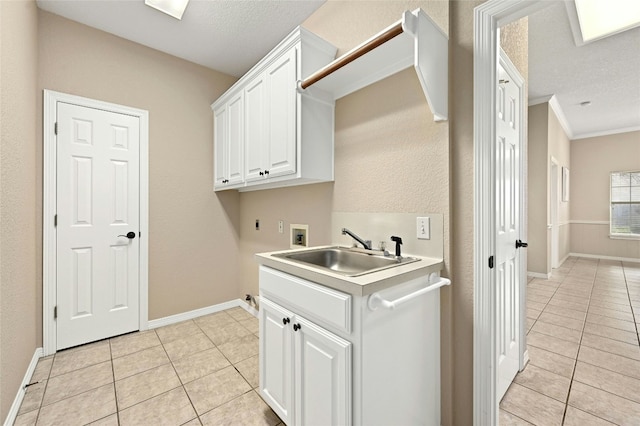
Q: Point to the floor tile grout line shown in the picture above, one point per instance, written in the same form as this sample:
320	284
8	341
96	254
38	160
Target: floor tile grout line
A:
578	354
575	364
45	388
606	391
608	352
633	315
514	415
182	385
113	376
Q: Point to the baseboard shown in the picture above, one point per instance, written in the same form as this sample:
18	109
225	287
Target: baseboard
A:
253	311
538	275
525	359
172	319
564	259
597	256
15	407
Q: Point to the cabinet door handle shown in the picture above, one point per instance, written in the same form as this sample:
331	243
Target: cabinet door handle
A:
286	321
296	327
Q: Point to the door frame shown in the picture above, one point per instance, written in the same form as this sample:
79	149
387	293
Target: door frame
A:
49	197
554	212
488	18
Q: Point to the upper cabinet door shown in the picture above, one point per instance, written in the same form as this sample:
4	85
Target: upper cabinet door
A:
255	128
222	142
235	146
282	115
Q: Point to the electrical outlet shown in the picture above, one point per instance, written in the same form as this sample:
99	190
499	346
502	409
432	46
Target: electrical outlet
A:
423	229
257	224
281	226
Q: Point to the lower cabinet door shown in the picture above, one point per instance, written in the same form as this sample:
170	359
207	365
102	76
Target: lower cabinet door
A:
276	368
322	376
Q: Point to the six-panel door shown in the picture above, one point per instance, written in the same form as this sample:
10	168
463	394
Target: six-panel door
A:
97	206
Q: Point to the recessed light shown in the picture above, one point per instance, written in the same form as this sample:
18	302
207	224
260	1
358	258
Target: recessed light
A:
599	19
173	8
585	103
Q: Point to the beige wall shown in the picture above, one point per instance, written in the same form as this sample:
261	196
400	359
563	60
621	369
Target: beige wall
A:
395	158
19	260
461	209
559	148
193	232
390	156
537	188
592	160
547	140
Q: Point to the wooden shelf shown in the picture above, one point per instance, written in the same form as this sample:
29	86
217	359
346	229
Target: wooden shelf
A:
421	44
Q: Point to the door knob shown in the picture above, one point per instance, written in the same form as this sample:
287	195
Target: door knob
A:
130	235
519	244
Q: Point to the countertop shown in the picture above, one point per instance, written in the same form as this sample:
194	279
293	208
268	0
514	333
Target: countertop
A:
362	285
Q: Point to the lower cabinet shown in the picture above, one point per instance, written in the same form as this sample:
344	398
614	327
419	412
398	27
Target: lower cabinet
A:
327	358
305	370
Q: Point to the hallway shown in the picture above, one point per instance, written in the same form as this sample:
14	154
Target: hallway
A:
582	337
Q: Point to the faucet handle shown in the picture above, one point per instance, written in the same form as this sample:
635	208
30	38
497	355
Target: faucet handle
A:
398	242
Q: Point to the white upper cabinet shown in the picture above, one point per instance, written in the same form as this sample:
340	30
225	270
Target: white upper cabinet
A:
256	131
281	137
228	125
281	110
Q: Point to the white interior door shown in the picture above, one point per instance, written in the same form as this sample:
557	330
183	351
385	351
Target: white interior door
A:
508	204
98	184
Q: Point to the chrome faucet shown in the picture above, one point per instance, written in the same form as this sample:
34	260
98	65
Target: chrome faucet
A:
365	243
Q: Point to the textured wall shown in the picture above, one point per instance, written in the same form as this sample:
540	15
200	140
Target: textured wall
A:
547	139
193	232
390	156
559	148
537	188
462	181
592	160
18	248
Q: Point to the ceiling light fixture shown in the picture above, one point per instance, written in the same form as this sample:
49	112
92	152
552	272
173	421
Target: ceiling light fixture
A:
173	8
599	19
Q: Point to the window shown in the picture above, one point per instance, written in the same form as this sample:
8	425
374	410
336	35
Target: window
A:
625	204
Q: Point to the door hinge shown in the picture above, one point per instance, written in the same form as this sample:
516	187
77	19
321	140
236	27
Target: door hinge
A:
55	312
55	220
491	262
55	128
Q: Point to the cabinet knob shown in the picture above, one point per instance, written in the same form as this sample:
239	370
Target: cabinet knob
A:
261	173
266	172
296	327
286	321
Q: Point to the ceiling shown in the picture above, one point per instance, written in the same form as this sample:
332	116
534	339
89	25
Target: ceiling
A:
226	35
605	72
232	35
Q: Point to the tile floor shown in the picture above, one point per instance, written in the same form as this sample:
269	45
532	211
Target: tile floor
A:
584	352
197	372
582	337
